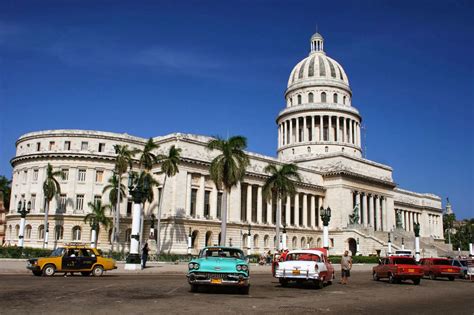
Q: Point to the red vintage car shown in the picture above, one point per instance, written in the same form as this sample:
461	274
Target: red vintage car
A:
439	267
398	268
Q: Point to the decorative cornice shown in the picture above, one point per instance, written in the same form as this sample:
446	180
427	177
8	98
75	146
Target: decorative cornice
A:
345	173
319	107
61	155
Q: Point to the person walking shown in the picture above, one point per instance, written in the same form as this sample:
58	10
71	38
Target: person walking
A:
346	266
145	251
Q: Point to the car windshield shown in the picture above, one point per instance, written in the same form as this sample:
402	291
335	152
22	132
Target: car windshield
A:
441	262
57	252
221	252
404	261
303	257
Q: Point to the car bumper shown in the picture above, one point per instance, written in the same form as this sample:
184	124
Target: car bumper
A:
33	268
447	274
408	276
289	275
232	280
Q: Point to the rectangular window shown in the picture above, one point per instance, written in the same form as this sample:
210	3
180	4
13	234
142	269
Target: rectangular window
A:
99	176
84	145
193	201
67	145
264	209
101	147
38	146
51	145
33	202
254	203
35	174
25	176
219	204
129	208
62	202
79	202
65	174
207	210
97	199
243	203
81	175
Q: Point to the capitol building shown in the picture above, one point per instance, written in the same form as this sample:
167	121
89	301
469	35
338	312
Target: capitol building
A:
318	128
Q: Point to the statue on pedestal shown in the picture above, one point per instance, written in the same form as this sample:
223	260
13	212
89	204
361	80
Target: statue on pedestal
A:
354	217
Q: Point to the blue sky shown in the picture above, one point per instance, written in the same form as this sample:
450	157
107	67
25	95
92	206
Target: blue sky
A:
150	68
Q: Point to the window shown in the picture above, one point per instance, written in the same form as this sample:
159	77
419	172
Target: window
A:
344	100
98	176
27	232
38	146
79	202
41	232
326	149
51	145
291	101
299	99
310	98
101	147
323	97
17	231
76	233
58	232
35	174
334	98
84	145
33	201
67	145
25	176
62	202
97	199
128	235
265	241
207	195
129	208
81	175
219	204
65	174
193	201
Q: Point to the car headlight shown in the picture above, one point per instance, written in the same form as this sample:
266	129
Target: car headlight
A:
196	266
191	265
245	268
239	267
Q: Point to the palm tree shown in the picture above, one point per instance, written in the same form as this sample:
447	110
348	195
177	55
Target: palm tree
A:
51	188
115	197
5	190
147	158
96	218
280	184
123	161
228	169
169	166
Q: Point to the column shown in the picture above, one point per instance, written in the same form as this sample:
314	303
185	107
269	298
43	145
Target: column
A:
287	211
298	138
269	211
358	205
305	210
213	202
313	130
320	204
350	131
285	132
384	214
370	209
200	197
365	209
344	130
234	204
305	130
249	203
358	133
331	131
188	194
297	209
312	211
338	132
279	135
291	132
259	204
321	128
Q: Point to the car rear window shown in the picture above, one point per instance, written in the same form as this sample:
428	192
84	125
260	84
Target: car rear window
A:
441	262
303	257
404	261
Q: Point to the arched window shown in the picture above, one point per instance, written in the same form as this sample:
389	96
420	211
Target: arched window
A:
303	242
41	232
326	148
10	231
310	242
17	231
299	99
256	239
344	100
334	98
323	97
208	240
194	237
310	98
294	242
110	236
58	232
265	241
76	233
128	234
27	232
309	149
291	101
245	242
318	242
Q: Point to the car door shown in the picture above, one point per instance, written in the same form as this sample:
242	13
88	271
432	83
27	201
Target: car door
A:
70	260
87	259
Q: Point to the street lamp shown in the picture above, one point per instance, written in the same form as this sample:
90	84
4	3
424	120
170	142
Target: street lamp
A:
403	243
389	245
230	241
249	240
23	211
357	247
137	190
416	229
190	241
325	217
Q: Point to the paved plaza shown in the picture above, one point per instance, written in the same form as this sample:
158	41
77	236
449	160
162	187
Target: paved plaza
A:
163	288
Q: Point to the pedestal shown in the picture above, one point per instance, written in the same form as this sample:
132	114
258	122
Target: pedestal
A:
417	248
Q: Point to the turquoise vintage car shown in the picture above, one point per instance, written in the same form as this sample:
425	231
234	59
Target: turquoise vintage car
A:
219	266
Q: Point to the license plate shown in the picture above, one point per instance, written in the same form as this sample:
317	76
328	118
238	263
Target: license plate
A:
411	270
216	281
296	272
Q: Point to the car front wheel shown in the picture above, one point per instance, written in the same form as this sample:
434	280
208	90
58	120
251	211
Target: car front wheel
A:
49	270
194	287
97	271
432	276
245	290
391	279
375	276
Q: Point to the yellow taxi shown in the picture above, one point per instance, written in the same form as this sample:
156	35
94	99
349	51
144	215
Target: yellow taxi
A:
72	258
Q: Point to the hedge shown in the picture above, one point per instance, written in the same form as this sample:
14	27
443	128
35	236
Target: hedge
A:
26	252
356	259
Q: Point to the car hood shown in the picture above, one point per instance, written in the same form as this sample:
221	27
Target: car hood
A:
217	264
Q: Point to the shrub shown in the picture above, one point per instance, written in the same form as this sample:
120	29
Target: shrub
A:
26	252
356	259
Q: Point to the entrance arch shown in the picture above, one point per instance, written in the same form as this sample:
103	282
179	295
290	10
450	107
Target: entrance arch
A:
208	240
352	246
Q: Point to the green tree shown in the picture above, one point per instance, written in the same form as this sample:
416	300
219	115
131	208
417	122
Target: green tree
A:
463	234
5	191
96	218
280	184
228	169
170	167
147	157
51	188
115	197
448	222
148	183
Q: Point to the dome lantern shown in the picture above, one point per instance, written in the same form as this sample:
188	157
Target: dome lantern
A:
317	43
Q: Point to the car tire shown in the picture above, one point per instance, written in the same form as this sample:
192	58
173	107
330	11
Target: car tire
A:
432	276
37	273
283	282
391	279
194	288
319	284
85	273
416	281
245	290
98	271
375	276
49	270
451	278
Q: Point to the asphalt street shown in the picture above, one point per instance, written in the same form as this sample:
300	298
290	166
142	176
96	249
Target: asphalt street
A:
146	293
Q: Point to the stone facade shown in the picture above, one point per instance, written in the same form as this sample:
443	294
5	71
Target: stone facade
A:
319	130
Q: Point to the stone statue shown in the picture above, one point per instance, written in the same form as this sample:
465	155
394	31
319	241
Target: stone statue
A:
354	217
398	217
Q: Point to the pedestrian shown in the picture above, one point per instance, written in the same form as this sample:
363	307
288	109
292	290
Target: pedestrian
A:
145	251
269	258
346	266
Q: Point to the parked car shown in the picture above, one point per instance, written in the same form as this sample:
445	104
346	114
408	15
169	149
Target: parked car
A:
219	266
398	268
462	264
306	265
70	259
439	267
